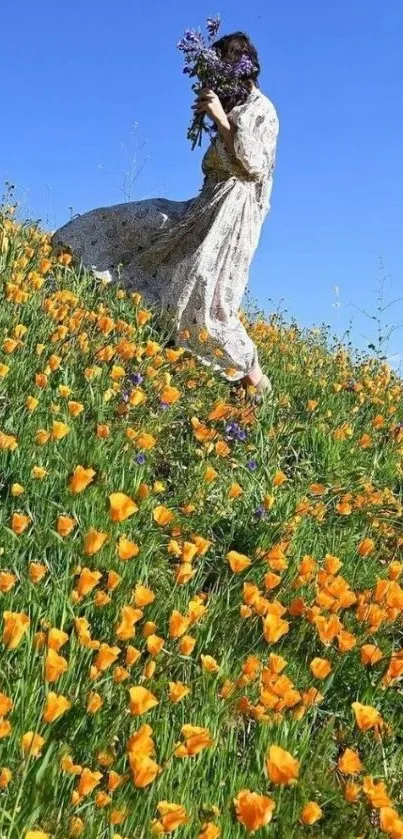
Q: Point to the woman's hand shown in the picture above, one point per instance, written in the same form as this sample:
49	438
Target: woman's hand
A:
209	103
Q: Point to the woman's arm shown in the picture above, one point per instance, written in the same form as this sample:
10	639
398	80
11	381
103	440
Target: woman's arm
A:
209	102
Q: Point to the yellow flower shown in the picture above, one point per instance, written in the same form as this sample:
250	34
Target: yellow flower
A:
16	490
32	744
209	664
59	430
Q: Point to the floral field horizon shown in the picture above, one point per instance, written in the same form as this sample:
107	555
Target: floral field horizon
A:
201	599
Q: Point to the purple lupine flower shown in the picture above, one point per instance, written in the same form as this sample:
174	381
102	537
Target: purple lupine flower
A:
244	67
213	25
164	406
260	512
252	465
140	459
136	378
230	82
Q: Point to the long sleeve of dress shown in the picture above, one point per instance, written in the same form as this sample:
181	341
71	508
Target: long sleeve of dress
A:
255	137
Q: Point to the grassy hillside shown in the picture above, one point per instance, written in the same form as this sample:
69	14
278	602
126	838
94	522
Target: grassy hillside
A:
200	607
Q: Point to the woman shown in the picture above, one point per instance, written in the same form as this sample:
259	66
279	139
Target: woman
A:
191	258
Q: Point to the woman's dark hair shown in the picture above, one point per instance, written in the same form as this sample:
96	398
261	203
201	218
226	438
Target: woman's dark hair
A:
232	48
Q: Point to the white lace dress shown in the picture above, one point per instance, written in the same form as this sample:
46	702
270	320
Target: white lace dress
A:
192	258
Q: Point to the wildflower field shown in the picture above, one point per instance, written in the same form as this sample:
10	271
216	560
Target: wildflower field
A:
200	596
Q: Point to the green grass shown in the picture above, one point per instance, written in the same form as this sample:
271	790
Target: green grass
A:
309	444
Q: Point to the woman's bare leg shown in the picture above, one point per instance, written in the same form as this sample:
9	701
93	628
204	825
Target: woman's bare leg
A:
254	376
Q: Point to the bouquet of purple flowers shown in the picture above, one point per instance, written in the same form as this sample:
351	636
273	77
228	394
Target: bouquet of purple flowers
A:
228	80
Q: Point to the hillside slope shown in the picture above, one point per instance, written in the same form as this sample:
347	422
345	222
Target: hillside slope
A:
199	597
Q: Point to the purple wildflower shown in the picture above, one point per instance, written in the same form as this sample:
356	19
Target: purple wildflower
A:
140	459
213	25
260	512
136	378
230	82
244	67
252	465
125	396
164	406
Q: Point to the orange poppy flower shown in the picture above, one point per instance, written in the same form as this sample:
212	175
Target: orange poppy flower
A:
172	816
55	706
5	728
376	792
32	743
177	691
87	581
349	763
106	656
129	617
127	549
56	638
209	831
209	664
366	716
19	522
143	596
320	667
238	562
59	430
178	624
274	628
235	491
187	645
15	627
7	581
64	525
311	813
154	644
55	666
144	769
351	792
196	739
88	781
141	700
94	702
94	541
36	572
282	767
121	506
162	515
5	777
81	478
366	547
252	810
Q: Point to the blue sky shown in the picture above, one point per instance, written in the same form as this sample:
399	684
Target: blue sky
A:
89	87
